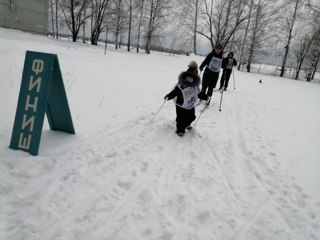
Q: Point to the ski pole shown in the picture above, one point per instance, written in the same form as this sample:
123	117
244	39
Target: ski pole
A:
234	83
221	99
222	90
201	111
158	110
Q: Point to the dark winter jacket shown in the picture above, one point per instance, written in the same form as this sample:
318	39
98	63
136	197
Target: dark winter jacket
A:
209	63
193	70
229	61
186	94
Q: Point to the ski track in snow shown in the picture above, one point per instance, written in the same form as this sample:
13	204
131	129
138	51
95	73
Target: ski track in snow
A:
259	169
138	171
128	182
131	168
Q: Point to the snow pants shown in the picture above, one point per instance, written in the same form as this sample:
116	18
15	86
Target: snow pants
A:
209	81
224	81
184	118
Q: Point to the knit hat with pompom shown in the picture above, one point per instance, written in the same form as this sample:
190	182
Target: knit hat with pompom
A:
193	64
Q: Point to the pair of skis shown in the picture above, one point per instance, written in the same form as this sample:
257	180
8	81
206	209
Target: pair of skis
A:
207	105
202	110
221	91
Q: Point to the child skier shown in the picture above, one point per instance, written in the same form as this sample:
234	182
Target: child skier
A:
227	65
186	94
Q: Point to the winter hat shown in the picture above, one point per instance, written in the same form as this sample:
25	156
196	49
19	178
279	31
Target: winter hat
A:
218	46
193	64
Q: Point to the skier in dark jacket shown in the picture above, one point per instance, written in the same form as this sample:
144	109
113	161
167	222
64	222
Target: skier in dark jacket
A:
227	65
186	94
211	74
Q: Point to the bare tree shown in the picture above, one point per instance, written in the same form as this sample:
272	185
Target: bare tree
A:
209	23
54	13
84	27
189	14
51	13
256	26
313	56
301	52
156	14
118	21
99	14
195	29
222	20
313	66
73	13
57	14
290	22
130	24
245	34
262	15
141	8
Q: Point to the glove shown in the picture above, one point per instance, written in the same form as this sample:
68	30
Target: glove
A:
201	68
166	98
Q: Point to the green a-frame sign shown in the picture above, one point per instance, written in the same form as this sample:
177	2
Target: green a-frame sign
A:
41	92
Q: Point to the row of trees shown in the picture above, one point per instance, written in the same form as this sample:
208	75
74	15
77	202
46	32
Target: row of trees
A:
116	16
251	28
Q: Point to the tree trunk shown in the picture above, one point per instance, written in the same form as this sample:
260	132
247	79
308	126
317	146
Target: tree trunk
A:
287	47
148	43
118	28
74	37
195	28
120	39
95	36
52	17
129	30
139	27
245	35
57	13
84	28
98	19
106	43
315	67
116	43
250	56
92	17
150	30
253	40
74	34
298	70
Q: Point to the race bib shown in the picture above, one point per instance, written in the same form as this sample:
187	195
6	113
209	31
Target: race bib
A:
190	98
215	64
230	64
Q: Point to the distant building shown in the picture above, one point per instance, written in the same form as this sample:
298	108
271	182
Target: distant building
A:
26	15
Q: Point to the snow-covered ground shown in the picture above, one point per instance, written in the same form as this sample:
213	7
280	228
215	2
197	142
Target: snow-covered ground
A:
248	172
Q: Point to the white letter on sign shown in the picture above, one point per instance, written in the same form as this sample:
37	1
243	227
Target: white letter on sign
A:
26	122
37	66
24	143
34	106
33	83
